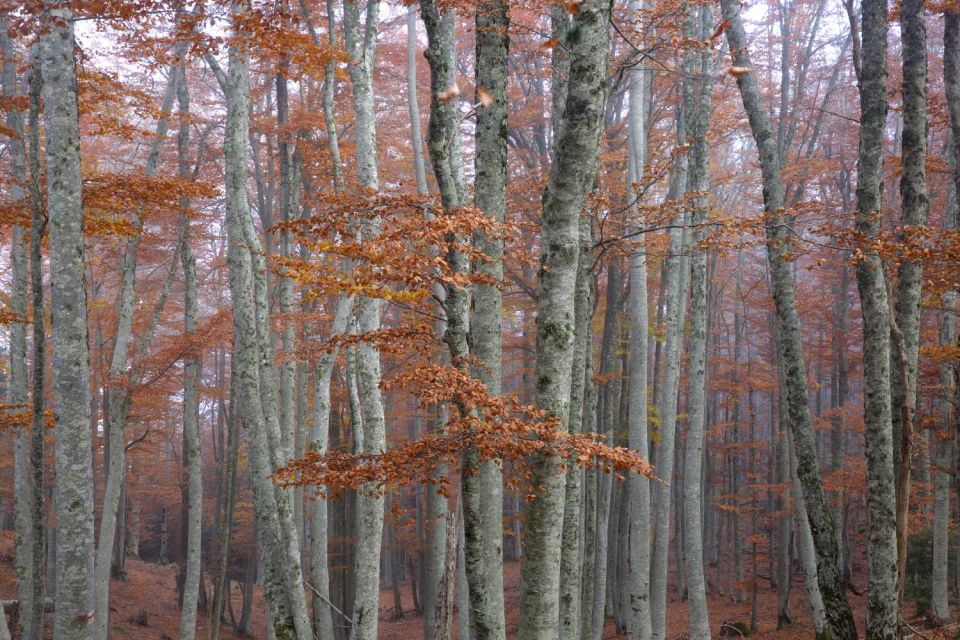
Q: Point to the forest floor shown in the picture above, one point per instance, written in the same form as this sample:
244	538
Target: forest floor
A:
144	607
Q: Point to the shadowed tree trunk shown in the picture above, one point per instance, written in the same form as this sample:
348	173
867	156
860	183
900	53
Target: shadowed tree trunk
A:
882	592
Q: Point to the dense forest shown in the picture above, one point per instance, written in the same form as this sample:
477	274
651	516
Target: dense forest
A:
477	319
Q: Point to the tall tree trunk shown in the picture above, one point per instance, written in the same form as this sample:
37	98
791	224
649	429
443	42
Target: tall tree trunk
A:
916	206
571	177
948	330
191	385
73	493
482	491
882	592
118	399
638	437
676	293
697	114
28	466
252	362
832	586
808	556
361	50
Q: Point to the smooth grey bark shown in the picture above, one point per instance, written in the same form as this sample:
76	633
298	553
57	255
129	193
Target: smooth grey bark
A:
571	177
73	492
445	159
589	511
320	437
28	465
38	227
362	50
697	114
790	344
191	383
675	287
882	589
638	437
482	491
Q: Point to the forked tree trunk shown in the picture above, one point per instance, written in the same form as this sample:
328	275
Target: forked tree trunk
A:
571	177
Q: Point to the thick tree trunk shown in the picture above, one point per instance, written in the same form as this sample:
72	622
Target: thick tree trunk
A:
571	177
882	591
832	585
73	493
482	491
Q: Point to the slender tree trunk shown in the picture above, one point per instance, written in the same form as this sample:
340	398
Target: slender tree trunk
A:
118	399
698	120
361	50
948	336
916	206
638	627
832	585
191	386
808	556
252	362
71	375
882	590
571	177
675	290
28	466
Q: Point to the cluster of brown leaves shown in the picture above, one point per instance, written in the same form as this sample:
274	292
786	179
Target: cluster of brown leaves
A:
492	428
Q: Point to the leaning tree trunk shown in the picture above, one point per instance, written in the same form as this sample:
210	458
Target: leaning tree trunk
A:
882	592
278	543
790	343
571	177
73	492
697	114
482	491
191	385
